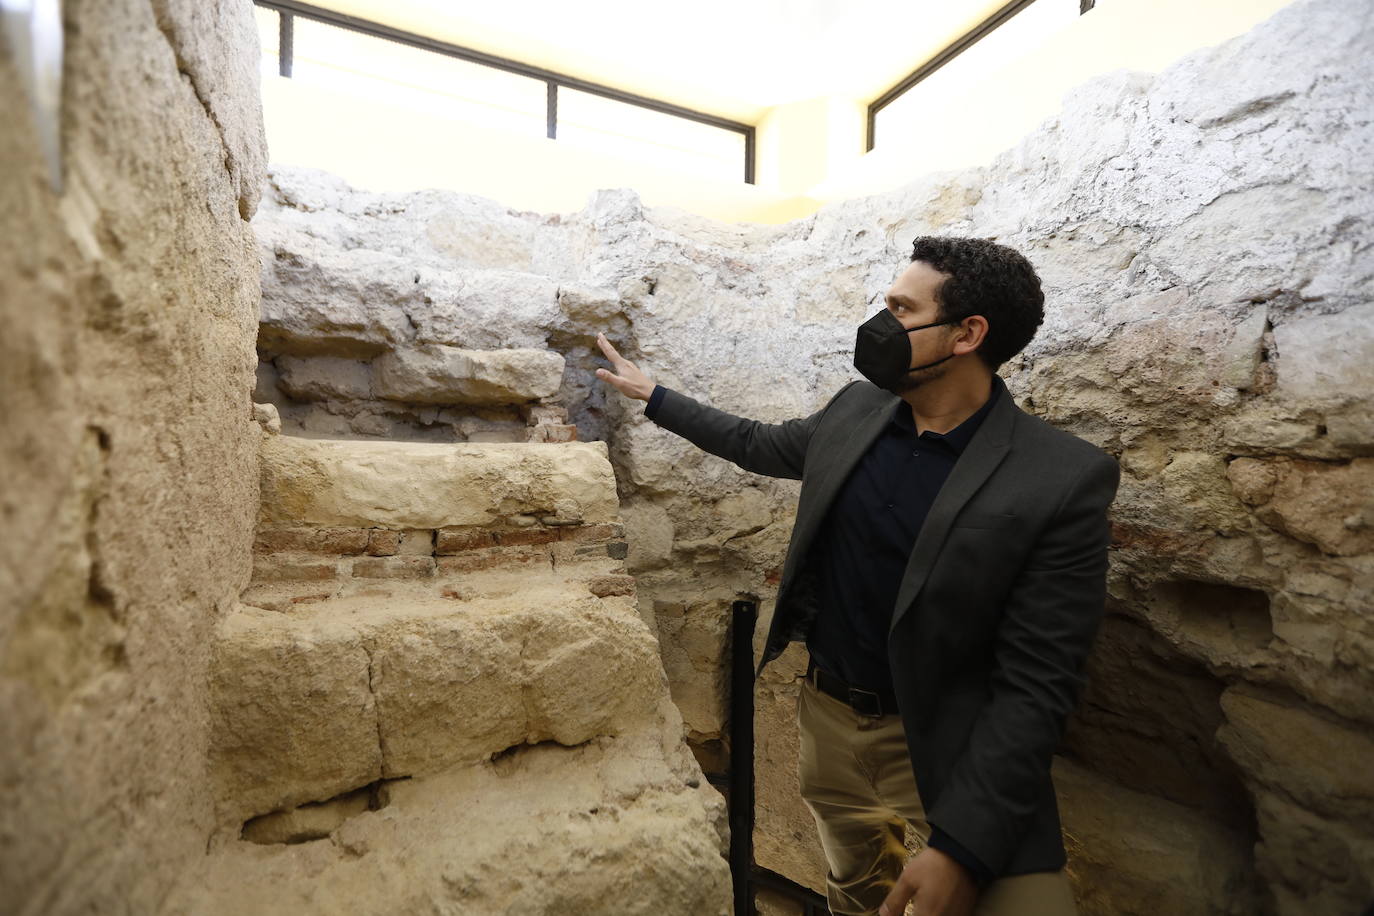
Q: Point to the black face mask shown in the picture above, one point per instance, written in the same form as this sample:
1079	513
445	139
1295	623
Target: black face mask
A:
882	350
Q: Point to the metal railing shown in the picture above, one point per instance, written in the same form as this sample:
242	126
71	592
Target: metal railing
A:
745	874
289	9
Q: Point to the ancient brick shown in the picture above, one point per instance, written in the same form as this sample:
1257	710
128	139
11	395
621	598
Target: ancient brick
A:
416	542
527	536
383	543
393	567
492	558
341	541
548	414
276	540
286	568
335	541
592	532
457	540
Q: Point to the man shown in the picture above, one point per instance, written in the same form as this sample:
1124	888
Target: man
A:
947	571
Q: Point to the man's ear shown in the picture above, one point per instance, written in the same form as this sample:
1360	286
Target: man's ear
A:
973	330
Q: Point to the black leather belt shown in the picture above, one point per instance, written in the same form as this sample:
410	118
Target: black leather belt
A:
864	702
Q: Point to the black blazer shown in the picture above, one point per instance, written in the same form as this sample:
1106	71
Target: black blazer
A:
997	609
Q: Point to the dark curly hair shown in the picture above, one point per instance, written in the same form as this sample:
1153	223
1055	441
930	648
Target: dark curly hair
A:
990	280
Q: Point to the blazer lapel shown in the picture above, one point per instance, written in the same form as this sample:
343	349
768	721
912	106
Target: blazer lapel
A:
980	458
846	455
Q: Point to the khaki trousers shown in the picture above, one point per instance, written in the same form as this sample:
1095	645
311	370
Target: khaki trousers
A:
856	778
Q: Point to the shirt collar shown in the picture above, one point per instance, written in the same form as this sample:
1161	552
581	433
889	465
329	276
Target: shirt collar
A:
959	437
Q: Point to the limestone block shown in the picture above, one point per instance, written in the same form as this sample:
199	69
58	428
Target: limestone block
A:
210	41
1133	854
320	378
487	309
481	233
565	701
694	636
1286	748
1326	358
1266	429
1325	504
1252	479
438	374
400	485
1195	483
649	532
588	306
543	829
292	712
1312	864
450	690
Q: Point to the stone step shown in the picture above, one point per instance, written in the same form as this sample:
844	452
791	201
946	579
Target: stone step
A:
401	678
333	483
620	824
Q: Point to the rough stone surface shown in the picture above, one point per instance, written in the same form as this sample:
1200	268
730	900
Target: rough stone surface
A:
312	821
294	717
619	829
423	485
129	452
408	682
1203	235
436	374
503	706
1132	854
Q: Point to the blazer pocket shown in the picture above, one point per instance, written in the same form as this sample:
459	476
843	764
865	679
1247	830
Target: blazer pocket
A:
985	520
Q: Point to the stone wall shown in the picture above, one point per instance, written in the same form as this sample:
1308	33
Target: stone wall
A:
129	454
1204	237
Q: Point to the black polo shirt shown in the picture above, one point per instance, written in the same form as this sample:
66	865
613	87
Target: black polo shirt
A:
866	538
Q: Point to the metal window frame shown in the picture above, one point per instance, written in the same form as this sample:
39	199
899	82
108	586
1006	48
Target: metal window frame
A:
287	9
962	44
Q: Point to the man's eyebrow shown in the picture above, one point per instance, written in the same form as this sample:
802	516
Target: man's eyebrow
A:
901	298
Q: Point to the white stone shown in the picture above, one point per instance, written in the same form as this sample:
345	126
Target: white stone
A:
437	374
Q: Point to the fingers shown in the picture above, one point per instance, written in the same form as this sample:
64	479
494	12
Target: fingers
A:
895	902
624	375
606	375
610	351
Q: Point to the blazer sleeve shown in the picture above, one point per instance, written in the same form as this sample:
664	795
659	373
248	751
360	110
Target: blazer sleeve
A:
1046	632
771	449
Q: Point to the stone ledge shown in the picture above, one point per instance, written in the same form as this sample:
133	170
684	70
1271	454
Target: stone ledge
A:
327	483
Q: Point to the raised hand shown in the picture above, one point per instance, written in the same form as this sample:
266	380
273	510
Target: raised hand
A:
623	374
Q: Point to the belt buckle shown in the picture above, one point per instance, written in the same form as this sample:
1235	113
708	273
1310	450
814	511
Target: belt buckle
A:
874	702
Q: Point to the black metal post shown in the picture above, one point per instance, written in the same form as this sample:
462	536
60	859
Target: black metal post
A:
286	42
749	156
743	617
551	111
